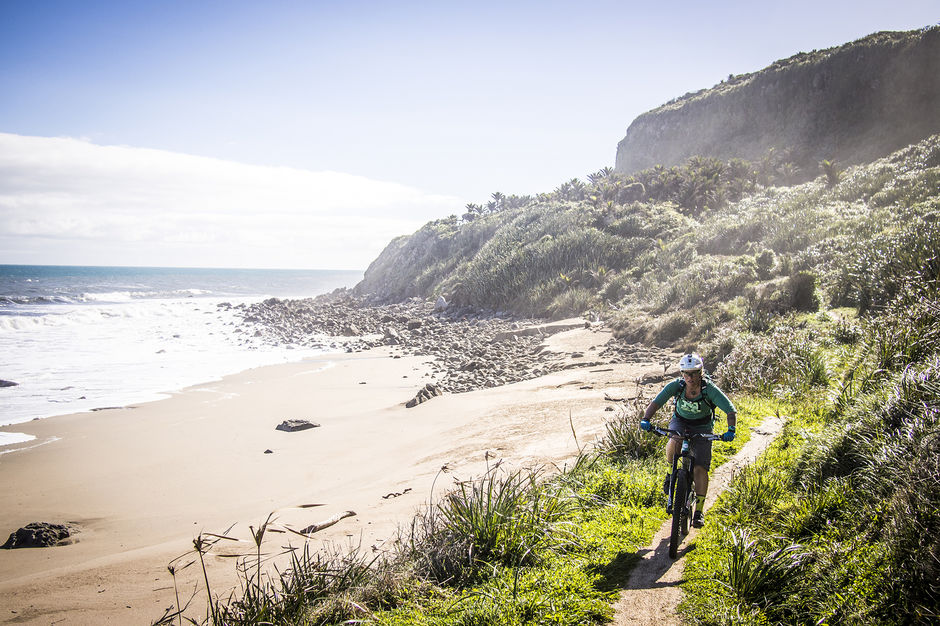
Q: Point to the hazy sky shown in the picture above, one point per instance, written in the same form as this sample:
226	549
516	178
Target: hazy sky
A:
308	134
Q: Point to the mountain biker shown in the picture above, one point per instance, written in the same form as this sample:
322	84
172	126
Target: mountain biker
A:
695	398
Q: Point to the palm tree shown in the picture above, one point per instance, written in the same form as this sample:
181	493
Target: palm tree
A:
563	191
600	175
832	172
473	210
577	189
498	199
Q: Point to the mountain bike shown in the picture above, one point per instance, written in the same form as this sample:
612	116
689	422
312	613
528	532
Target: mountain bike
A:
682	497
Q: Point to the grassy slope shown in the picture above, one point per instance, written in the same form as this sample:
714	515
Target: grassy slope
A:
844	503
823	519
838	523
712	239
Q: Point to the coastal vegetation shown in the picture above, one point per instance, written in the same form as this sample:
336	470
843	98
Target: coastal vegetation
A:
725	240
818	302
512	546
811	292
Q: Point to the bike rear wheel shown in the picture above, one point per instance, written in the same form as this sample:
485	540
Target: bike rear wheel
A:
680	498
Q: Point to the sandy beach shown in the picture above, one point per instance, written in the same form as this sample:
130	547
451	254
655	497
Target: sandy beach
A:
140	482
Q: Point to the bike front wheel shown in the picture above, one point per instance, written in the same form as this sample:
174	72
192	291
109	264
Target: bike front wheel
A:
680	498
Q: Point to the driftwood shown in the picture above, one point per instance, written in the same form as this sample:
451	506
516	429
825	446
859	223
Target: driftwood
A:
314	528
395	494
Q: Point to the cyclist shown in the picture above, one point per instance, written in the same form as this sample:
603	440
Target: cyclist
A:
695	398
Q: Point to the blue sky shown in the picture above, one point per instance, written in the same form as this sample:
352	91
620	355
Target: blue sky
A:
378	115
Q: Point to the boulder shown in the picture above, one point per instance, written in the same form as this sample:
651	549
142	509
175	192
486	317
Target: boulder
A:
37	535
8	383
291	426
392	337
426	393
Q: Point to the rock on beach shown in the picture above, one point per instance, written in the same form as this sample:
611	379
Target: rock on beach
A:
37	535
427	392
291	426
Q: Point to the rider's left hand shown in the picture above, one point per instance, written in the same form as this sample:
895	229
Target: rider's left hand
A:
729	435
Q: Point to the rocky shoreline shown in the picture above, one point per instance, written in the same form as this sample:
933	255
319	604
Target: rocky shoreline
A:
472	349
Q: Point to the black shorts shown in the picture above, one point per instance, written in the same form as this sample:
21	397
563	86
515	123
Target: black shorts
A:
701	448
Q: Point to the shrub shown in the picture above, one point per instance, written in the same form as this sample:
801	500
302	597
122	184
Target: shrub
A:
789	359
801	288
909	329
673	327
760	579
765	264
876	269
504	518
623	438
832	172
572	302
752	494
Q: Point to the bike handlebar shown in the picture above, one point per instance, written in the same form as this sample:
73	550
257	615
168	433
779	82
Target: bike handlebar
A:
668	432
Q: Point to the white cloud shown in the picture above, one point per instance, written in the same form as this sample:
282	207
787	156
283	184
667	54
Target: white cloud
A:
65	200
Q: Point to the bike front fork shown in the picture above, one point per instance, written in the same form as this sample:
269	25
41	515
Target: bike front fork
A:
676	468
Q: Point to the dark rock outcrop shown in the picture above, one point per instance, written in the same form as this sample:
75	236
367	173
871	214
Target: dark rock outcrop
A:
37	535
426	393
292	426
853	103
8	383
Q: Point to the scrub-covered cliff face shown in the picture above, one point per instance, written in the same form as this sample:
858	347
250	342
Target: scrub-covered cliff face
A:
679	251
851	104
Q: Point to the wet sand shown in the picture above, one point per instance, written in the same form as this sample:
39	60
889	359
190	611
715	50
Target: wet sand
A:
141	482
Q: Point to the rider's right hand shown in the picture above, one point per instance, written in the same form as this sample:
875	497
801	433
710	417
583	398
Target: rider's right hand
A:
645	425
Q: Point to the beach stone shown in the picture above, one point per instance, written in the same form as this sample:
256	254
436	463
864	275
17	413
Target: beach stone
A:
426	393
8	383
37	535
291	426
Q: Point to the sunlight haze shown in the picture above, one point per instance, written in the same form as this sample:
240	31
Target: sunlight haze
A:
309	134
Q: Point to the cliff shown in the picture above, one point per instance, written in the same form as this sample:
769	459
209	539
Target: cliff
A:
852	104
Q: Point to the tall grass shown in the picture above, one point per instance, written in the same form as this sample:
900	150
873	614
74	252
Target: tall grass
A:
623	438
757	577
504	518
316	587
856	486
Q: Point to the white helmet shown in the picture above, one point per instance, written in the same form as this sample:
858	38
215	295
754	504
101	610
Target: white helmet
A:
691	363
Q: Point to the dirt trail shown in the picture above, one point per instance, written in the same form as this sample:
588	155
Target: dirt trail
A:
653	592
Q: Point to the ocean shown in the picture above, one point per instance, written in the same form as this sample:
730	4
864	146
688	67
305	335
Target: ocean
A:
80	338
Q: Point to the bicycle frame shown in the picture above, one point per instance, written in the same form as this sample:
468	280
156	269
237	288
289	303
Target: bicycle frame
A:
682	493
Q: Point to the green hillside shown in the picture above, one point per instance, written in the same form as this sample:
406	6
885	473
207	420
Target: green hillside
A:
670	254
818	301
